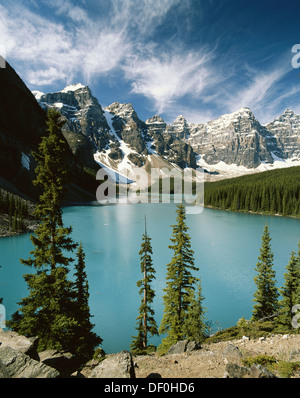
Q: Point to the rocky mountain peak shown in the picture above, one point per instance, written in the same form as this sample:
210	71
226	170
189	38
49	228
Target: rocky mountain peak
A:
235	138
125	110
156	119
180	119
288	113
74	87
286	129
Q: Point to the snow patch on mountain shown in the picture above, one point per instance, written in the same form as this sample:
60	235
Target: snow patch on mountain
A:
38	94
72	87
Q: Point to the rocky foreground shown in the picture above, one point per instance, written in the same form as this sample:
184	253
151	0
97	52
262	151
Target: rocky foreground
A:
232	359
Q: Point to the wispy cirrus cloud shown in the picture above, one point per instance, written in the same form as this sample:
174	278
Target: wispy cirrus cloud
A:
81	43
157	50
54	52
259	87
166	77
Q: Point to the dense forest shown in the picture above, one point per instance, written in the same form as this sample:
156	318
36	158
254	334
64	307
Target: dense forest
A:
270	192
15	208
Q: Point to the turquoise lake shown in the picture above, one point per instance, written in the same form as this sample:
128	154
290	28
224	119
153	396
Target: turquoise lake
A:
226	247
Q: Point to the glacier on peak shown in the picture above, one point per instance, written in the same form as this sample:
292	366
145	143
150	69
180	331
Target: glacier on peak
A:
73	87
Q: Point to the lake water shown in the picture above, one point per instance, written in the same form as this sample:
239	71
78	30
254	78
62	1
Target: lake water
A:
226	247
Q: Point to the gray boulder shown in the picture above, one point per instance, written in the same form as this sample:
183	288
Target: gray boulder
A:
232	354
22	344
183	346
234	371
115	366
15	364
259	372
3	371
255	372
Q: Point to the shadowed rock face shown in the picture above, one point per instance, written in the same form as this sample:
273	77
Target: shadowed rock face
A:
22	125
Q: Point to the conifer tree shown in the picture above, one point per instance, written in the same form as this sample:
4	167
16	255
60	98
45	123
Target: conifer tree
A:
146	324
178	298
48	311
290	291
1	298
87	339
266	295
195	327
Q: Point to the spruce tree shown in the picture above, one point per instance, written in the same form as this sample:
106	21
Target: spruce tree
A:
266	295
195	327
146	324
289	292
49	311
87	339
180	282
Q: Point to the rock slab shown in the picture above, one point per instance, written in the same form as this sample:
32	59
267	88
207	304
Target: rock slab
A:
115	366
14	364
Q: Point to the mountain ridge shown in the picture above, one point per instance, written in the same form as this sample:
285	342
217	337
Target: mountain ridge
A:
230	145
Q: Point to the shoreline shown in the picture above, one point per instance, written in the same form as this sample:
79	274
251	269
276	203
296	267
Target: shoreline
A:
32	224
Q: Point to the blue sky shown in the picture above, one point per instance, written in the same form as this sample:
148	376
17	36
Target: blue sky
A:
198	58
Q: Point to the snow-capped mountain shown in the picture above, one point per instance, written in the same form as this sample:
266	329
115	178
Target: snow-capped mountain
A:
116	138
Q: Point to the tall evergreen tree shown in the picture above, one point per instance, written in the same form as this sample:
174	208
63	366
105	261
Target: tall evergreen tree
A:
290	291
87	339
146	324
1	298
180	282
266	295
195	327
48	311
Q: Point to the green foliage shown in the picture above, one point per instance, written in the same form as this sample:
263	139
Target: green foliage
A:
286	369
16	208
182	311
266	295
146	324
194	327
242	322
290	291
264	360
99	354
56	309
86	339
269	192
252	329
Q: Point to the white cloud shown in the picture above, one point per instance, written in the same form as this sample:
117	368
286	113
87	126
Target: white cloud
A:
67	8
256	92
71	44
53	52
88	45
168	77
142	16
